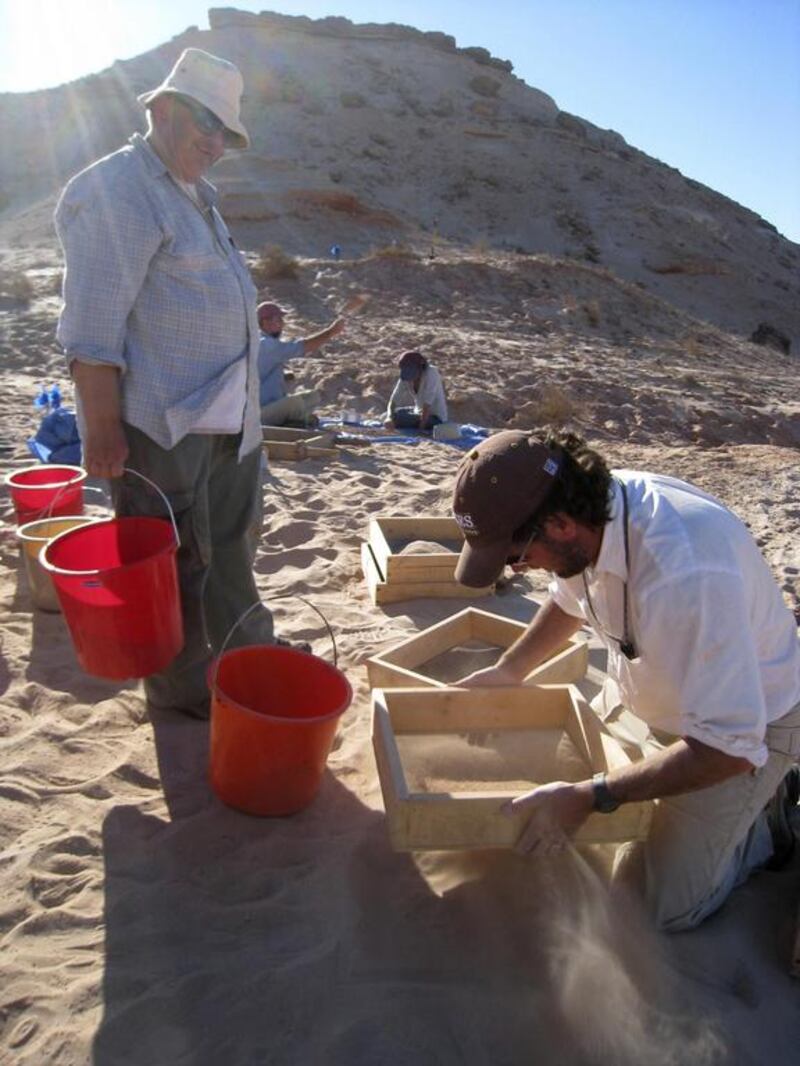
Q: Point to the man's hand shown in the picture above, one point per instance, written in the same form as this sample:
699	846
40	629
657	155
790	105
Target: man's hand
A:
497	676
105	450
555	811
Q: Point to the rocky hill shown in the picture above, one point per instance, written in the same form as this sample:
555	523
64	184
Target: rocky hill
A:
374	135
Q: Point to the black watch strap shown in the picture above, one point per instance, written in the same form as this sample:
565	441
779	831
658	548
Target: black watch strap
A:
604	802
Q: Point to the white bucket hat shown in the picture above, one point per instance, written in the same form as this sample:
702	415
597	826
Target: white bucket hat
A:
213	82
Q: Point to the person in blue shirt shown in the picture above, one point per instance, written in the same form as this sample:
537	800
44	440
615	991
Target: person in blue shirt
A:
277	406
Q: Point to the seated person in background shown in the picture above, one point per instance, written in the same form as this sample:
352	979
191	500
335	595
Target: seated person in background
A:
420	388
278	407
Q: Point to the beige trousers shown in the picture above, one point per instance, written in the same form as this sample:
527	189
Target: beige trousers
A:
701	845
296	407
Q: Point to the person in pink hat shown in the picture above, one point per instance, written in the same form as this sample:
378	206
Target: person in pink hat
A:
160	333
418	398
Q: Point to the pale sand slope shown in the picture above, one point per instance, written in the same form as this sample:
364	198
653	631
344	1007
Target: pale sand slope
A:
142	922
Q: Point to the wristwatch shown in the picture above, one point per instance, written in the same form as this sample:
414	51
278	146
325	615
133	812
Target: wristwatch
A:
604	802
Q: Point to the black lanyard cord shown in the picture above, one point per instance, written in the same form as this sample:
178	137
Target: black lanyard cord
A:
626	645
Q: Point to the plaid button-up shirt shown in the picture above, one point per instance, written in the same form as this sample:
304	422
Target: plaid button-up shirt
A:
154	285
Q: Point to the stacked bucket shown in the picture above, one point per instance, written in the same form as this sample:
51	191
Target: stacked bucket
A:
114	579
274	710
48	500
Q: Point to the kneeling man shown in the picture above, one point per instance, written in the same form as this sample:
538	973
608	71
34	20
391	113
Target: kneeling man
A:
701	646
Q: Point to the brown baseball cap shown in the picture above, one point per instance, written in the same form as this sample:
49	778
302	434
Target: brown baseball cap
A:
499	486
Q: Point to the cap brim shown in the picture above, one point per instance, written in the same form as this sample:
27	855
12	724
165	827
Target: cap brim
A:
480	566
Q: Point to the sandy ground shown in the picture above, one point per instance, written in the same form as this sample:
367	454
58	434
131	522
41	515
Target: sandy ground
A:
143	922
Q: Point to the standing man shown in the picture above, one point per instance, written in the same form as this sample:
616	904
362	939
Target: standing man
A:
700	646
161	337
278	407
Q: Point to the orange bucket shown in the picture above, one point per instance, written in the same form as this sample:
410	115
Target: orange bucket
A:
274	712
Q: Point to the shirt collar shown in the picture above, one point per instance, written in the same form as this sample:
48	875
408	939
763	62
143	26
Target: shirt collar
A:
156	165
611	557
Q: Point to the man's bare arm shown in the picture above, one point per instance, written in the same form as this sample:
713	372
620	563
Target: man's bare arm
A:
105	448
316	340
550	629
687	765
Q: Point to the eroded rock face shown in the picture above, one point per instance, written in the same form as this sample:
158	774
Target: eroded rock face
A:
373	136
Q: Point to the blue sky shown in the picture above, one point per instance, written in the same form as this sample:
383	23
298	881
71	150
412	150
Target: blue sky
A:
709	86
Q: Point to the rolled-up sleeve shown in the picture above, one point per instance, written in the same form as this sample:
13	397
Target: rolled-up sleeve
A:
109	237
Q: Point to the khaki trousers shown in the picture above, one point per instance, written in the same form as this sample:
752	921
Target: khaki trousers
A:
296	407
217	501
701	845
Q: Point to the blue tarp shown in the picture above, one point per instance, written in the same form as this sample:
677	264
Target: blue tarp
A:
470	434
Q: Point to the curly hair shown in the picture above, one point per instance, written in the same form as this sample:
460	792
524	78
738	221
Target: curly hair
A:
581	489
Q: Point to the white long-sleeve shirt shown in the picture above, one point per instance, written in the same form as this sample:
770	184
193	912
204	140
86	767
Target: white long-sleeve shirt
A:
431	392
718	656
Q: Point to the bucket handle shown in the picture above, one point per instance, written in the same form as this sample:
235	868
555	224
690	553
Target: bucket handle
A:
86	488
130	470
252	607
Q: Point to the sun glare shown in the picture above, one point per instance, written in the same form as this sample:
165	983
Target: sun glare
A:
48	42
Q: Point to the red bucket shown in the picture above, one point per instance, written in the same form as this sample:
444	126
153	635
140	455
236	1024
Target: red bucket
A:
117	584
274	712
46	491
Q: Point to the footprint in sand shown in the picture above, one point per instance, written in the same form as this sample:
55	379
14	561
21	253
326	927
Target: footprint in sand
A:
290	535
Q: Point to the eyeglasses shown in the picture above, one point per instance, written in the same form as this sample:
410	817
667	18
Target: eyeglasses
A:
516	558
205	120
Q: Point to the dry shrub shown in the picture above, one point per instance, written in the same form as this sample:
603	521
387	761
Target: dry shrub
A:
15	286
692	345
554	407
274	263
575	225
393	251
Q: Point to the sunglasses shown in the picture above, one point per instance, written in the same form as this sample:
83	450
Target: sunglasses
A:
514	558
205	120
